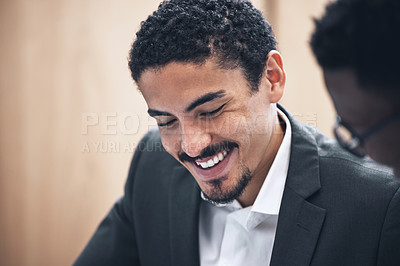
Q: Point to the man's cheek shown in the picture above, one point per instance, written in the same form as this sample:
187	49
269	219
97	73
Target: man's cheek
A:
238	126
229	125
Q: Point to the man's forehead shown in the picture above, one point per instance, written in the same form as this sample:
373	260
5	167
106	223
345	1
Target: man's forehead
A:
177	77
171	73
339	78
352	101
344	82
180	88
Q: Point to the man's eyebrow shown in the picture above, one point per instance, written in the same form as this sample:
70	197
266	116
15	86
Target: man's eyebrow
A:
205	98
153	113
199	101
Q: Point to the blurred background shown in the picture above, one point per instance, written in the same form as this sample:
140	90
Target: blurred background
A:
71	116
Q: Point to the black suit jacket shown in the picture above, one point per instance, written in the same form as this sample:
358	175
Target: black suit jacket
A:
336	210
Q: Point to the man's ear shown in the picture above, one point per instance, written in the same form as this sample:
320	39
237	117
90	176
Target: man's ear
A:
276	75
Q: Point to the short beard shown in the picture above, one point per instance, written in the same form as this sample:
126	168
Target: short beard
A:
218	196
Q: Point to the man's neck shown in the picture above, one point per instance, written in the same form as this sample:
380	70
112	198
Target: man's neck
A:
250	194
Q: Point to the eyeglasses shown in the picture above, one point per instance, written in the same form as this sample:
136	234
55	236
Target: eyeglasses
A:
352	141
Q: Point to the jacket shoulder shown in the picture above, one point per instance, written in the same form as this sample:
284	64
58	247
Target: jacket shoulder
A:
352	174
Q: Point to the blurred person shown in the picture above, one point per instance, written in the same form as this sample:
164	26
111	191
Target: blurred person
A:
357	46
230	177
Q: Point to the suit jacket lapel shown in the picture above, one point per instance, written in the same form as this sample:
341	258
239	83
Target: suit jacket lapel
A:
299	222
184	202
299	225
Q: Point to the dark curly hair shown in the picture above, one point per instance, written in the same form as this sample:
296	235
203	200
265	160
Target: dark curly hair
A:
231	31
351	31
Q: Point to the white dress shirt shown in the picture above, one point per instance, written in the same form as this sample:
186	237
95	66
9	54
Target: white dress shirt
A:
234	236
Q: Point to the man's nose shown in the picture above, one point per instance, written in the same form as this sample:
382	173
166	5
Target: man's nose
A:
194	140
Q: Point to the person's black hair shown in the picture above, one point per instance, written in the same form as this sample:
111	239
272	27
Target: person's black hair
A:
361	35
232	32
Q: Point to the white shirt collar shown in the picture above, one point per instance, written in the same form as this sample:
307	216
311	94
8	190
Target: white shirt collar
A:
269	198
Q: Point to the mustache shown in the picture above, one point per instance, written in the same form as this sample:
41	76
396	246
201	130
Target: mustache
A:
208	151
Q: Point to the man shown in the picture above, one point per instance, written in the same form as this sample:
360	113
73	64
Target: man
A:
356	44
240	181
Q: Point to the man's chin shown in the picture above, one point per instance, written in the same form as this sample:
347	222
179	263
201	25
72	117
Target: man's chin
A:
217	193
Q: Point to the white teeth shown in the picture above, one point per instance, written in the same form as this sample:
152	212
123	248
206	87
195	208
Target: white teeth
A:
216	160
211	162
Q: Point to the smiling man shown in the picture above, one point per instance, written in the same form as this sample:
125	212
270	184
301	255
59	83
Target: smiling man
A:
211	122
238	181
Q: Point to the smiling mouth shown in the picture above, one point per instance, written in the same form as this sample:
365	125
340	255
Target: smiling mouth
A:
211	162
214	162
216	166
